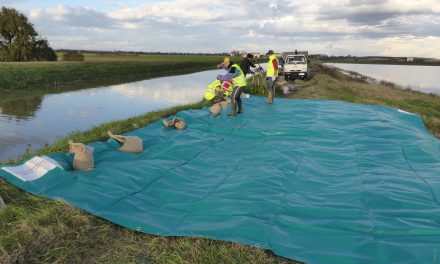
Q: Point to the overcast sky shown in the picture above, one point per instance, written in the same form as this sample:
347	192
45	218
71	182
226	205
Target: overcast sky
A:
334	27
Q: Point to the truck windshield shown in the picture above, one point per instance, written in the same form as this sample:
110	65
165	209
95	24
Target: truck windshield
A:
296	60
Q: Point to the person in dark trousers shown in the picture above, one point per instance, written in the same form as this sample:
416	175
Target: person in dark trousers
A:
246	64
271	76
237	77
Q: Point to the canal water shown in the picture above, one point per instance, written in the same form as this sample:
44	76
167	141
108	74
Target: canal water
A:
421	78
31	119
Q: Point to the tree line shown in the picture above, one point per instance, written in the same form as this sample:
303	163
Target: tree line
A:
19	41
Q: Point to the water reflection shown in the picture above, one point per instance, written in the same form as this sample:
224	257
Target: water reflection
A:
421	78
19	107
32	120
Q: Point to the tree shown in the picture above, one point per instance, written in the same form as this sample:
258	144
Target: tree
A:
18	38
42	51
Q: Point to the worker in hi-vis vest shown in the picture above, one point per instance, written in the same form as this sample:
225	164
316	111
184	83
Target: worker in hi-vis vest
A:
271	76
236	76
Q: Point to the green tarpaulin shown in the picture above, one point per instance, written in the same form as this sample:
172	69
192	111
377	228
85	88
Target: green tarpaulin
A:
316	181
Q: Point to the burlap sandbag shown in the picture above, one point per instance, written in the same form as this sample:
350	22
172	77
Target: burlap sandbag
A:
215	109
83	158
224	104
129	143
176	122
180	124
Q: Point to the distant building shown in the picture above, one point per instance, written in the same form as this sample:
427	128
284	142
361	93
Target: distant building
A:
235	53
410	59
399	59
433	60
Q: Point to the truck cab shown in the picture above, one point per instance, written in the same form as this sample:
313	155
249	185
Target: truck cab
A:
295	66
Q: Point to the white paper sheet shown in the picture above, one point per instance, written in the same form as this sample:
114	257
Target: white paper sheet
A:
32	169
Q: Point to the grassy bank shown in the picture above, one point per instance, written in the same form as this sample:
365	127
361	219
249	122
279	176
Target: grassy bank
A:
96	72
38	230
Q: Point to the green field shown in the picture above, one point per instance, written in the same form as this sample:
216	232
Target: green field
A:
99	70
38	230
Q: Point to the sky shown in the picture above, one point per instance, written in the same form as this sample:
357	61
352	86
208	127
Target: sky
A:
409	28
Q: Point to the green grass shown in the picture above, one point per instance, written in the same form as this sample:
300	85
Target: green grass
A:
87	74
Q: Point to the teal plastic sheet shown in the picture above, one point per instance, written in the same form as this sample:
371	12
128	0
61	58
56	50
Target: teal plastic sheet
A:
315	181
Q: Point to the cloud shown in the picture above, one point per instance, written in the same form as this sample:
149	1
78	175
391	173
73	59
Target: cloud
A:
373	12
71	16
321	26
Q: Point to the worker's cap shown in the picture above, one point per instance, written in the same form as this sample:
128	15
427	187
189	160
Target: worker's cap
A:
270	52
225	63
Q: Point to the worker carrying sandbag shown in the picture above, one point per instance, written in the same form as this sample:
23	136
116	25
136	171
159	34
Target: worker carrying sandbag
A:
218	94
218	91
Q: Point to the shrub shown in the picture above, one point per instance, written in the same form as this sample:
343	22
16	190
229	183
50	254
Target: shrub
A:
73	56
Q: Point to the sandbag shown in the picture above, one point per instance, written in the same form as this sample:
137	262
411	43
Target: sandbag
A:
83	159
216	109
129	143
177	123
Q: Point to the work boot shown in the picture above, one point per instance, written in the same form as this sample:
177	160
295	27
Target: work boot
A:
240	107
270	98
233	113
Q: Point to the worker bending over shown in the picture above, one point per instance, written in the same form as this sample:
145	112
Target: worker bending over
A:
236	76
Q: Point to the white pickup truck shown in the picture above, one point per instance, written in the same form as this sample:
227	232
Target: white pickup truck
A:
295	66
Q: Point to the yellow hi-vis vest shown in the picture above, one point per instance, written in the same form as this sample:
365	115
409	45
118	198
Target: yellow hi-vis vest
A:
271	72
213	87
240	80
